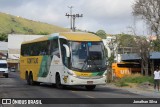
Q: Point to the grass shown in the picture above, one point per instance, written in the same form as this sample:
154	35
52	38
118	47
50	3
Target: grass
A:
134	78
19	25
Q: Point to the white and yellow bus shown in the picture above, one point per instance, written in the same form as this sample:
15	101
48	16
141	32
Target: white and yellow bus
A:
64	59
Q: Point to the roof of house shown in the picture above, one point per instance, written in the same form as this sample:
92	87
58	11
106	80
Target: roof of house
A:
134	56
155	55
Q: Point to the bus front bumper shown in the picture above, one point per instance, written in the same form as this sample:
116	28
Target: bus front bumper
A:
71	80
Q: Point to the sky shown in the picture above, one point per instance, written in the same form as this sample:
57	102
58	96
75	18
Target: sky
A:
112	16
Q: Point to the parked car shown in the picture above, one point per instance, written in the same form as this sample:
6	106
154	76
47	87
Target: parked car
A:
4	68
13	69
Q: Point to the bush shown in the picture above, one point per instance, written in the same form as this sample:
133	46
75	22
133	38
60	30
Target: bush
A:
134	78
121	84
3	37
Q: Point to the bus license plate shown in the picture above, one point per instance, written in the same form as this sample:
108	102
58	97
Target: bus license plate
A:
89	82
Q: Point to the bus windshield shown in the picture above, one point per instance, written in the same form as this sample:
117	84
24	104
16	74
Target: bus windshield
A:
88	56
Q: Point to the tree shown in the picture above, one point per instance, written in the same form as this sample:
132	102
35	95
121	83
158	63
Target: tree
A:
149	10
126	40
3	37
156	45
144	54
101	34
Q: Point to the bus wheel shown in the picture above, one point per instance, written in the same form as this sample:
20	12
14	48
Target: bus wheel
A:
6	75
36	83
27	78
58	81
90	87
30	79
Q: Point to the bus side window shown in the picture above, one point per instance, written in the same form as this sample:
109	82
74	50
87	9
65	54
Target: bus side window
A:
54	48
63	52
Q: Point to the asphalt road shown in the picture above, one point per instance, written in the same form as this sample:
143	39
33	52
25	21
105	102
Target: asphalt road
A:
14	87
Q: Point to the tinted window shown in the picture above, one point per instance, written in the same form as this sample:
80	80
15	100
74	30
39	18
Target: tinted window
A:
129	65
3	65
36	48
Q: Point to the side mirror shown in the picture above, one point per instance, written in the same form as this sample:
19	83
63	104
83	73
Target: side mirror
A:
67	50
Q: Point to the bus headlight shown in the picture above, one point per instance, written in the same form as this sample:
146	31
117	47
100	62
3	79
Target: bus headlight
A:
71	73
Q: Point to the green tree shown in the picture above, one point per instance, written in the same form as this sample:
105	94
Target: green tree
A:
155	45
101	34
126	40
3	37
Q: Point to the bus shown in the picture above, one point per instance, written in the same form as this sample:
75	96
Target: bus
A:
125	68
64	59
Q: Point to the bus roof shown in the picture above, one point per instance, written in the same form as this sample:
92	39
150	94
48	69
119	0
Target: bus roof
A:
73	36
80	36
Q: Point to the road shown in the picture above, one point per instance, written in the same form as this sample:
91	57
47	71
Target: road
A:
14	87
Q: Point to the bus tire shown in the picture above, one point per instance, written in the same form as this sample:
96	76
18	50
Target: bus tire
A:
30	79
58	81
6	75
90	87
36	83
27	78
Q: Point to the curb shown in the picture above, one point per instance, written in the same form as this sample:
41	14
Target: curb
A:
145	92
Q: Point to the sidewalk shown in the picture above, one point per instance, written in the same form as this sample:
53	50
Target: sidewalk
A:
147	91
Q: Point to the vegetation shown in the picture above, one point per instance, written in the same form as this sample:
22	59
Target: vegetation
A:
3	37
156	45
11	24
101	34
148	10
123	39
135	78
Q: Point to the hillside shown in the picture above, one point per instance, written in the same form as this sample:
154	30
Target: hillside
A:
18	25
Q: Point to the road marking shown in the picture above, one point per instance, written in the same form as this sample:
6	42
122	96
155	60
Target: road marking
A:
73	91
89	96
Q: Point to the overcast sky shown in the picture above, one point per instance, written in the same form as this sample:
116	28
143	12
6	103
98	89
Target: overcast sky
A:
113	16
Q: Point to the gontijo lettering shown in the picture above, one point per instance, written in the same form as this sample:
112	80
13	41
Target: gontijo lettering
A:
32	60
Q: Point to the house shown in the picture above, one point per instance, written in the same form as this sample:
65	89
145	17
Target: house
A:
14	45
3	50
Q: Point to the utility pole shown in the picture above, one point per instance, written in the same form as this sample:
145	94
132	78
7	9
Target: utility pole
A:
73	17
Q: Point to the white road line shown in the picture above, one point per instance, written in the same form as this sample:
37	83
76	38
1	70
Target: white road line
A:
89	96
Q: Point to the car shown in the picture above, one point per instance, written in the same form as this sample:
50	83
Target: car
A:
13	69
4	68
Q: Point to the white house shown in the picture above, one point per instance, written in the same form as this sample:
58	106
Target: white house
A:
14	45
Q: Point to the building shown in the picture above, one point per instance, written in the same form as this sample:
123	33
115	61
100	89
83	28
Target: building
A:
14	45
3	50
154	60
